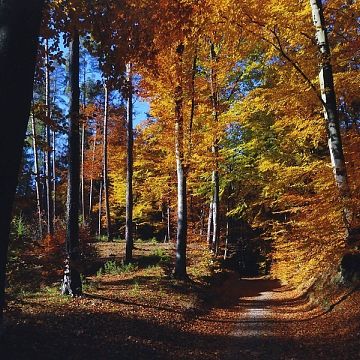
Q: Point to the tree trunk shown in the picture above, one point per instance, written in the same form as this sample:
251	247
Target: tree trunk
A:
72	283
37	175
100	207
330	109
215	207
92	175
48	153
82	173
105	166
18	44
210	223
215	151
83	128
54	162
181	238
168	227
54	176
129	170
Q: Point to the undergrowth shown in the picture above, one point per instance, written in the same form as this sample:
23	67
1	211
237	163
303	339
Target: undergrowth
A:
113	267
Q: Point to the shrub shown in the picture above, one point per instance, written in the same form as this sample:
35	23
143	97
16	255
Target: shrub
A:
112	267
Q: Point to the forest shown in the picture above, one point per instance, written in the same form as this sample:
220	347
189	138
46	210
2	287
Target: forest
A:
180	179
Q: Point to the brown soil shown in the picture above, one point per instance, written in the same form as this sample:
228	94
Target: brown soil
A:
144	314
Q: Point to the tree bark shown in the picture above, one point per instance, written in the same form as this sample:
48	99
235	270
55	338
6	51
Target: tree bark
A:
129	169
210	223
92	176
329	101
168	227
37	175
83	128
215	208
100	207
181	238
82	182
48	153
105	166
18	44
72	283
215	151
54	176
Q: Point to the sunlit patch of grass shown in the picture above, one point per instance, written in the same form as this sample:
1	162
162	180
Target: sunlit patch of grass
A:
113	267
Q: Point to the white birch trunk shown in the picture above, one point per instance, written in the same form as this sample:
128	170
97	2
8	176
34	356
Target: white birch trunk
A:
329	100
37	175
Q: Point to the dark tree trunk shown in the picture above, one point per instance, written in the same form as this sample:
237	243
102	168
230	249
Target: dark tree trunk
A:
82	182
100	207
54	176
20	21
181	238
72	282
48	153
129	170
83	134
105	166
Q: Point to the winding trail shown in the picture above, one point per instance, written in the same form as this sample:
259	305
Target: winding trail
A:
275	322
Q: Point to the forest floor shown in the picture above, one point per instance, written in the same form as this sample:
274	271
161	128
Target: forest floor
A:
139	312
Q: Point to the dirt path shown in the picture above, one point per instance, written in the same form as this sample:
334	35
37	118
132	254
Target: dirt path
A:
271	321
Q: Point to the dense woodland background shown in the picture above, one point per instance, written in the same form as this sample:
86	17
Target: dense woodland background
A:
233	152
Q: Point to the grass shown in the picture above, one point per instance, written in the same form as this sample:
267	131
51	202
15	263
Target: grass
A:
113	267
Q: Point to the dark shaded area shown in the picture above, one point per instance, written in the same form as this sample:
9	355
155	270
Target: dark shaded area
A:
248	252
101	331
233	288
350	266
112	336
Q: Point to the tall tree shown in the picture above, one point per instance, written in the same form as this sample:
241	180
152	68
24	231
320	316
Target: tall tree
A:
48	152
83	131
215	151
82	180
72	282
105	164
329	102
210	223
37	174
129	167
100	206
181	238
19	28
54	177
92	175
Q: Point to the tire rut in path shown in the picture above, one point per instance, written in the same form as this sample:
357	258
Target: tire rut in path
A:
260	304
